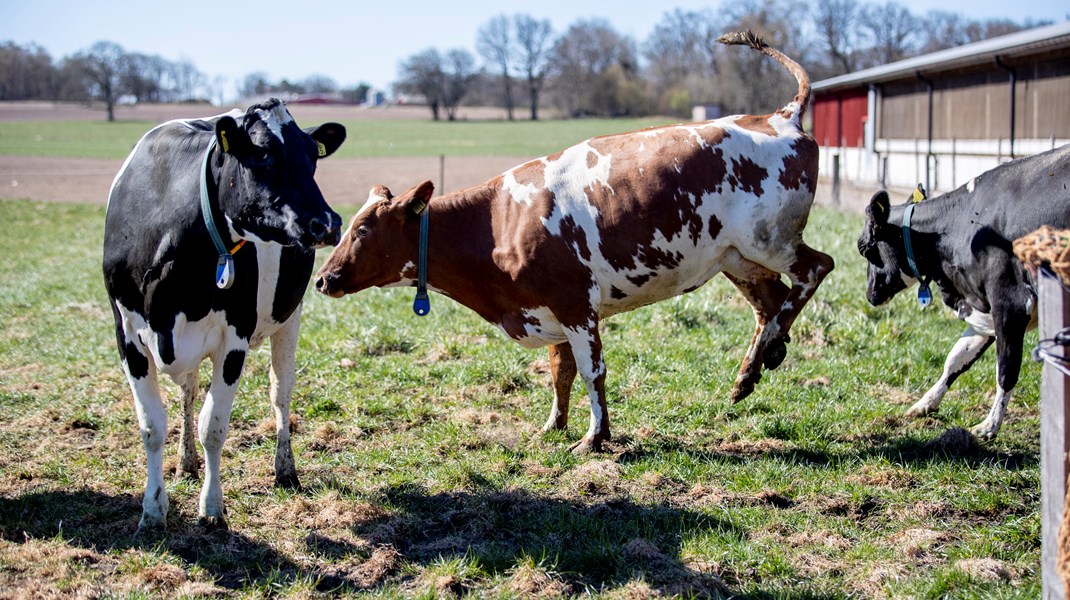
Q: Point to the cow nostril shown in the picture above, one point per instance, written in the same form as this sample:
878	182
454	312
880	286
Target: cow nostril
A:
320	283
317	228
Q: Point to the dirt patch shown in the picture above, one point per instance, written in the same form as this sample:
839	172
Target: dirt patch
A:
344	181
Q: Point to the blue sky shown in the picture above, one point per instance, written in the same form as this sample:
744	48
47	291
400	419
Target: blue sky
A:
350	42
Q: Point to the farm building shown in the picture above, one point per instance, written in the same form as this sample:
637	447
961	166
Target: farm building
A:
942	118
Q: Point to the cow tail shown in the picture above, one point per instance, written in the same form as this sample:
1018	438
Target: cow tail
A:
797	107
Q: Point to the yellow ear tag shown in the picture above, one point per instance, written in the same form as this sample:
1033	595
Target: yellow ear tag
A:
223	139
917	196
322	149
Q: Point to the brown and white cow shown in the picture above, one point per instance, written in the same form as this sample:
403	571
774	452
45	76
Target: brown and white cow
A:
550	248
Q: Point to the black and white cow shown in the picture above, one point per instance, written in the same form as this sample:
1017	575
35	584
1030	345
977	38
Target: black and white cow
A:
175	299
961	241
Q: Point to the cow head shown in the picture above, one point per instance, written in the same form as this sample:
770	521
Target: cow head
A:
881	243
264	169
379	248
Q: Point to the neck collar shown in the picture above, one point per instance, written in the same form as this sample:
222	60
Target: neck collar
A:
224	272
924	294
422	304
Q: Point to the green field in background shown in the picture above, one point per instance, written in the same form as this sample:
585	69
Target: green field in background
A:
366	138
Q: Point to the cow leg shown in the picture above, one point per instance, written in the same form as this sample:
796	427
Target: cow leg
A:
1011	322
283	361
562	373
806	273
765	292
587	354
152	421
213	425
969	347
189	463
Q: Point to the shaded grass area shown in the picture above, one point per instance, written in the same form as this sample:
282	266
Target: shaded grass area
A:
425	473
366	138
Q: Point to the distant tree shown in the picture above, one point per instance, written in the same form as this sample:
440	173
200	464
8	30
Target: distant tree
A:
142	76
494	42
679	55
943	30
189	80
533	44
254	85
751	82
318	84
424	74
949	30
892	32
837	26
101	65
581	60
460	70
26	73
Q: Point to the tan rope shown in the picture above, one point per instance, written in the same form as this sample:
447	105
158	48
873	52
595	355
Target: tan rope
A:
1046	246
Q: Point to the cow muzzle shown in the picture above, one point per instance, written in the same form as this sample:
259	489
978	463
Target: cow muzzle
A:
327	284
324	231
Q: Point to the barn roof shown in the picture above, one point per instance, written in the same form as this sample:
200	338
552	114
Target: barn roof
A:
1029	41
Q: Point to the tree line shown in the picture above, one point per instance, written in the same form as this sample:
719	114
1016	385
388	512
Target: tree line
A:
588	69
107	73
592	69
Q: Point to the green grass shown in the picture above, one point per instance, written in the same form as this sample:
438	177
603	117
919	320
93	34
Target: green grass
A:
366	138
425	473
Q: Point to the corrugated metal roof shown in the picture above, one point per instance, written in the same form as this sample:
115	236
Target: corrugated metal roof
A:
1021	42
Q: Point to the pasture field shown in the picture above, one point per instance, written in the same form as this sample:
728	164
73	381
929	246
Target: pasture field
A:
366	138
425	473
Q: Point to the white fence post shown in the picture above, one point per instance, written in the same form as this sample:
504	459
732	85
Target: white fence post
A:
1054	428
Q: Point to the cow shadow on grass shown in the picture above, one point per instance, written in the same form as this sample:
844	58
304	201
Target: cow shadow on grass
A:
567	547
572	547
953	445
106	523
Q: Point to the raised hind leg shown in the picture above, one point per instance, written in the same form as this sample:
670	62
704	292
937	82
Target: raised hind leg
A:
562	373
806	273
765	292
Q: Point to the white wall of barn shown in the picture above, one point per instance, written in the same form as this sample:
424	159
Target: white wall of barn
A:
903	163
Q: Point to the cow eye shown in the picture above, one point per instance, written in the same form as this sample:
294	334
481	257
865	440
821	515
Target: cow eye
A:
362	231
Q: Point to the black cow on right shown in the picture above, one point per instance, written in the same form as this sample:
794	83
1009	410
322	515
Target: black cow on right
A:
961	241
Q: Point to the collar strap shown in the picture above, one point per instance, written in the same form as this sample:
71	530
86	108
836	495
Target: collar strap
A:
224	274
924	294
422	304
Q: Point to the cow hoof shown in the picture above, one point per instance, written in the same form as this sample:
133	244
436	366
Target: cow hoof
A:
212	523
984	432
741	390
775	353
183	473
288	480
919	410
586	446
554	425
151	525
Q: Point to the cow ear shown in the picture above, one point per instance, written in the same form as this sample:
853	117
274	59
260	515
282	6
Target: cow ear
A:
328	137
231	138
415	200
879	207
